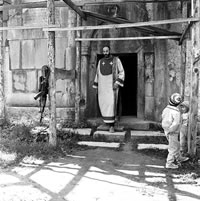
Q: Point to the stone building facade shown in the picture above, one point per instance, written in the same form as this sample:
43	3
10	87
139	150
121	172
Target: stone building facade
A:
154	68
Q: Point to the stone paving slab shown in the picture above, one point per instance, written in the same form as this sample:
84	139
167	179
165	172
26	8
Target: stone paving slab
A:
110	136
100	144
152	146
146	133
106	128
38	129
79	131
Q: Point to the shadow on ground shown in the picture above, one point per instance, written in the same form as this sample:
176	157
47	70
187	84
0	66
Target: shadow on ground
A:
100	174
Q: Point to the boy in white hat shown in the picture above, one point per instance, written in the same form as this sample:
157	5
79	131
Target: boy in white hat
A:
171	119
184	107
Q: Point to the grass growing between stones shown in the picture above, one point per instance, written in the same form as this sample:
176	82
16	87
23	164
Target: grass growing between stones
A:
18	142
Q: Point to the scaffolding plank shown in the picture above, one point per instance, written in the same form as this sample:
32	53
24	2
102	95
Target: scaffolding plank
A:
129	38
118	20
27	27
125	25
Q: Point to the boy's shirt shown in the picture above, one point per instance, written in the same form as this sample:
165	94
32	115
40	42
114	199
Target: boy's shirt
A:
171	118
185	118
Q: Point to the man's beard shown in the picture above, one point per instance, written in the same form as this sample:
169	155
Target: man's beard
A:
106	55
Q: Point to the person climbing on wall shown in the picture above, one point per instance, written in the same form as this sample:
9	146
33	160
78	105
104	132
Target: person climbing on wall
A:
109	78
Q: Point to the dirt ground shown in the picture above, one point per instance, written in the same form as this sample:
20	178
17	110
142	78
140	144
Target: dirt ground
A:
100	174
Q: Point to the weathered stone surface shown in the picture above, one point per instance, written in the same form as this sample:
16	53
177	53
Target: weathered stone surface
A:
40	53
14	54
100	144
146	133
149	108
61	55
34	17
116	136
19	81
105	127
152	146
31	82
28	52
78	131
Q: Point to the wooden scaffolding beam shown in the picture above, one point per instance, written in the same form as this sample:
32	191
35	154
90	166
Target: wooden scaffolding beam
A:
129	38
51	63
117	20
2	94
27	27
126	25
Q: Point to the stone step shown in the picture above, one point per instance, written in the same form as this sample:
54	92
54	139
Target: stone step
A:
141	146
130	122
106	135
116	136
100	144
79	131
146	133
121	135
152	146
106	128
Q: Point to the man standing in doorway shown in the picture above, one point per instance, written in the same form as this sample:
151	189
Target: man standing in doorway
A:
109	77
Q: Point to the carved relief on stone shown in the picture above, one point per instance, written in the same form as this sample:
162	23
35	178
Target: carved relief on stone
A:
149	67
113	10
172	75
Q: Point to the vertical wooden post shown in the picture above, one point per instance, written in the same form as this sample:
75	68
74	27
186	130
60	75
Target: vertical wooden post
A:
183	52
78	73
51	63
194	84
2	103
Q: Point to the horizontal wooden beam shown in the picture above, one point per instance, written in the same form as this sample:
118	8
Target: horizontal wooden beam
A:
126	25
117	20
110	26
27	27
129	38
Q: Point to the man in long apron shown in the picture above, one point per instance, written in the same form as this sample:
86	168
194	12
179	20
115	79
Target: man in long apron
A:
109	77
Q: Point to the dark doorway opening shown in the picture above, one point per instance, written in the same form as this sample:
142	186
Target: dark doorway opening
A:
129	91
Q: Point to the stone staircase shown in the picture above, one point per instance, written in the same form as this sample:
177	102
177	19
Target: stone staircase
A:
128	130
129	122
99	138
